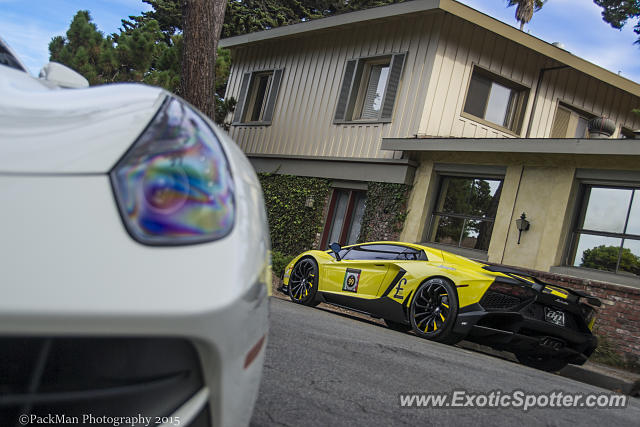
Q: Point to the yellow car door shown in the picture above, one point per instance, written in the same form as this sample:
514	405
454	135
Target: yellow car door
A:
360	272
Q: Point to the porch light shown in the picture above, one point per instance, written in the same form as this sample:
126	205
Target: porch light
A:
522	224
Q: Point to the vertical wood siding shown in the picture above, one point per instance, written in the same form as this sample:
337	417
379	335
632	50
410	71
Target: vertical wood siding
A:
313	70
463	44
441	51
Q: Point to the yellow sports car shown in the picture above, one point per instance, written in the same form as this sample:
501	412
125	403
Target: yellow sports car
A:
447	298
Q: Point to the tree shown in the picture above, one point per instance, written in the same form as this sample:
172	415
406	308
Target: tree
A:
149	48
201	26
525	9
618	12
606	258
138	53
84	49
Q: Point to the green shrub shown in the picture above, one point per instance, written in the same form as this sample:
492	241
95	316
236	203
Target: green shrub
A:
279	261
294	209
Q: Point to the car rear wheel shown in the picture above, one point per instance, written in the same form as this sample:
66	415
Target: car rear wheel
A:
397	326
303	282
434	310
544	363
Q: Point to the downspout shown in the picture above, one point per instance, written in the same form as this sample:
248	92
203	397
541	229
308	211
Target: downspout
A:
535	94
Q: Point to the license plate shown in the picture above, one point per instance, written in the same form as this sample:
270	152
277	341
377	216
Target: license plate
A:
554	316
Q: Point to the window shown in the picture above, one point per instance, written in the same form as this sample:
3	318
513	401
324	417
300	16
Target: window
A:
496	100
7	58
257	99
369	88
384	252
607	236
570	123
465	212
626	133
344	220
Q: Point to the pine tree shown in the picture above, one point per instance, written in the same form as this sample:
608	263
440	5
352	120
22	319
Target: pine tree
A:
618	12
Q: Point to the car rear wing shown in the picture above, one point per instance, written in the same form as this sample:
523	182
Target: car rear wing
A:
519	274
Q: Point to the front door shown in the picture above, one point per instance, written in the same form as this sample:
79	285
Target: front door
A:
355	277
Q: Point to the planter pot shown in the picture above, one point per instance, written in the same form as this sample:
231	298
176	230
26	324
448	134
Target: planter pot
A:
601	127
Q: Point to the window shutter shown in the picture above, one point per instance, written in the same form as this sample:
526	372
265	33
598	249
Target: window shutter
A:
392	86
345	90
368	112
561	123
237	117
273	95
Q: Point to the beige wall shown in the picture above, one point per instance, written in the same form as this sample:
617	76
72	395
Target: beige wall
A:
544	187
463	44
313	68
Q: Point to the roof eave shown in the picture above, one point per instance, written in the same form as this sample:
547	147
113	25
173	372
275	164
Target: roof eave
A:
600	147
453	7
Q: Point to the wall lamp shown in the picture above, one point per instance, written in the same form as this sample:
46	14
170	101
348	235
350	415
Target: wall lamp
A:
522	224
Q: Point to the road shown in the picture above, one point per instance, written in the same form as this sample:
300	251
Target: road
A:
326	369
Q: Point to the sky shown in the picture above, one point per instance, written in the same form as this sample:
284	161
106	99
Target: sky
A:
28	26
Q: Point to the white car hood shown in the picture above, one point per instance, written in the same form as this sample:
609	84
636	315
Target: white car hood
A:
51	130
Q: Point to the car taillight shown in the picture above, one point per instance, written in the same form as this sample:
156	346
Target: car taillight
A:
589	314
517	291
174	185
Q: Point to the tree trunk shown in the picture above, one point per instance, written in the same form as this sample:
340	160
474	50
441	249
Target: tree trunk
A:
201	26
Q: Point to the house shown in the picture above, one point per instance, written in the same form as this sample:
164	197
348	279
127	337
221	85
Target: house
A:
481	122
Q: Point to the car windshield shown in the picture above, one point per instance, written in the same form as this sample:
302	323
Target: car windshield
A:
7	58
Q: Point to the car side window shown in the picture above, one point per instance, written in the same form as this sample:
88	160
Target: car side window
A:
412	255
380	252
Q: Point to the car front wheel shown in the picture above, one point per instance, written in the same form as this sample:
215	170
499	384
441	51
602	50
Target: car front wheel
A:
303	282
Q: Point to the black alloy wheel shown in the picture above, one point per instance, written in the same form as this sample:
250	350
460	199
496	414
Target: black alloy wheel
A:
303	282
434	310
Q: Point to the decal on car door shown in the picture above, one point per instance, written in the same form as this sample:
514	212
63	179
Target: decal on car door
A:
351	280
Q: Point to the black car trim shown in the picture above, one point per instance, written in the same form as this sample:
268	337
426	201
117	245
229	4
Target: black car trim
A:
394	282
382	307
511	272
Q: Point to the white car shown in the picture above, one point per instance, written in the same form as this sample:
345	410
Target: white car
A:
134	258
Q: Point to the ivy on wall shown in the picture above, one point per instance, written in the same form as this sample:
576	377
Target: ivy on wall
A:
294	209
385	211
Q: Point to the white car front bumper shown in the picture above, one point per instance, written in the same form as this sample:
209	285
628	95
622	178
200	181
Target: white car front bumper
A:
71	272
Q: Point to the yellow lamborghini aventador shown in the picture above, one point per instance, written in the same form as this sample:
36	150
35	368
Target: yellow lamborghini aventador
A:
447	298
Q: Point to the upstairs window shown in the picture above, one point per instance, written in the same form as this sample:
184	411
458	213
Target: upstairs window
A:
369	88
496	100
465	212
607	236
570	123
257	99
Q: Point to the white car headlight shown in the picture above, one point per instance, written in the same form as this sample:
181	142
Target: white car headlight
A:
174	185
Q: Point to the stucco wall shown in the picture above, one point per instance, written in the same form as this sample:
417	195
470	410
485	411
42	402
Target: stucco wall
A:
544	187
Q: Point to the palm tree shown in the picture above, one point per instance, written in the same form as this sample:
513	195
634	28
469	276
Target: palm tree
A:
525	9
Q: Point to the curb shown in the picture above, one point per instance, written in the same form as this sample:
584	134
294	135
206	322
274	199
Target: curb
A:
605	377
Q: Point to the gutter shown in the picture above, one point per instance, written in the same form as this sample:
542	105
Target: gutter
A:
537	91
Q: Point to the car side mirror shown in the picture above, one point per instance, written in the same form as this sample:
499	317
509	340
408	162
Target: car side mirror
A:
63	76
336	248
